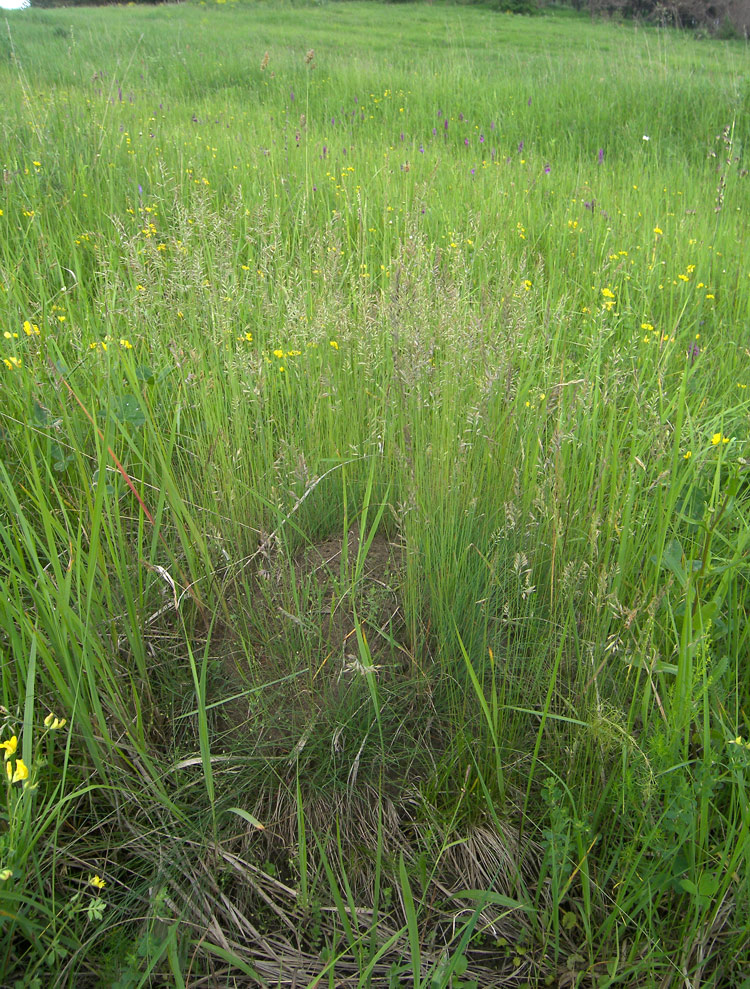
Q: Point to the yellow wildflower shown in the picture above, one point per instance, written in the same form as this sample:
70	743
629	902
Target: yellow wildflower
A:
10	745
97	881
53	722
21	771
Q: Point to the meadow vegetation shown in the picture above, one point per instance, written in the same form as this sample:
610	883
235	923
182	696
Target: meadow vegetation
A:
374	502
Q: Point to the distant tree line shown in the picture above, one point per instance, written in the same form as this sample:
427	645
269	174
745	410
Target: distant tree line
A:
717	16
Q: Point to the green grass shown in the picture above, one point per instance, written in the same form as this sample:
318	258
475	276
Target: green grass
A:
374	501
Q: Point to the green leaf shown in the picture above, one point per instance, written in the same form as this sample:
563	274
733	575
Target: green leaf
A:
144	373
460	964
708	884
41	414
672	560
692	507
569	920
128	410
61	458
247	817
489	896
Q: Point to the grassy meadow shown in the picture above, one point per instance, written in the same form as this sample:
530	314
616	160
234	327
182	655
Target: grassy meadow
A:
374	437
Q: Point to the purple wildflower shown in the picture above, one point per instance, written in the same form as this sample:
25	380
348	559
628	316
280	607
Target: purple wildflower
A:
547	169
402	135
520	147
529	102
446	123
492	124
466	141
601	155
481	138
291	95
461	116
421	149
693	351
434	131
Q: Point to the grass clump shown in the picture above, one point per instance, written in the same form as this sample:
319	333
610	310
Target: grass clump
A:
374	500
